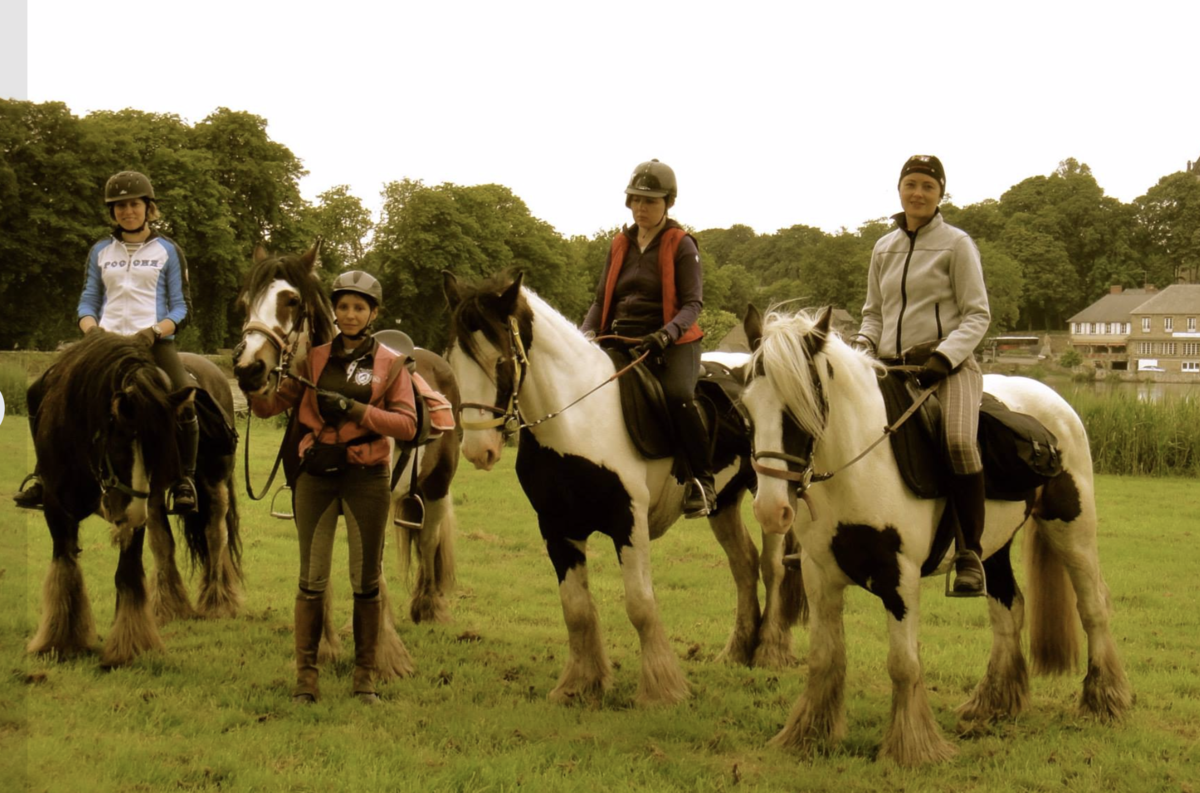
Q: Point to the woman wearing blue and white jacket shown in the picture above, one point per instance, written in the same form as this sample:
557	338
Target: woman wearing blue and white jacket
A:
137	284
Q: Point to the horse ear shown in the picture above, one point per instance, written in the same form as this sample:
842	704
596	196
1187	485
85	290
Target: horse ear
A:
508	298
450	287
309	258
260	253
122	407
816	338
752	324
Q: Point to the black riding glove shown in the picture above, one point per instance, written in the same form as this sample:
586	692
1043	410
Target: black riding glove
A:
333	406
935	370
654	343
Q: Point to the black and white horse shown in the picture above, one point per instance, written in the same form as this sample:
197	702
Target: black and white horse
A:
816	400
583	475
287	313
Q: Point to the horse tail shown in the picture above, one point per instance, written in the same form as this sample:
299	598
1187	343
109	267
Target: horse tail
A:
794	600
1053	635
446	572
404	544
195	529
233	525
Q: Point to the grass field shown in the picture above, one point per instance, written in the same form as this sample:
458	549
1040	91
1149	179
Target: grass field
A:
213	712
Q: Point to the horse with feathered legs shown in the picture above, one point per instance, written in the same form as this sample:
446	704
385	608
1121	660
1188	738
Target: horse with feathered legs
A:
287	313
816	404
583	474
106	444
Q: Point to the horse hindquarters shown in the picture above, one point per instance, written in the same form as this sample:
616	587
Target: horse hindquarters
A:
1065	540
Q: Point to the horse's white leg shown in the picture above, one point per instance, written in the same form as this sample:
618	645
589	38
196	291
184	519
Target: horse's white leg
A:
818	719
134	630
435	575
662	681
783	604
731	533
220	590
588	672
392	659
1071	532
1004	689
912	737
168	595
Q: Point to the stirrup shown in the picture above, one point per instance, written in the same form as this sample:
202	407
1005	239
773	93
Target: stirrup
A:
37	482
791	561
950	592
709	505
173	508
410	513
278	513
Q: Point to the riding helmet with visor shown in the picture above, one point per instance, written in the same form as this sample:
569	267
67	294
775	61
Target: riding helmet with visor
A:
358	282
653	179
126	185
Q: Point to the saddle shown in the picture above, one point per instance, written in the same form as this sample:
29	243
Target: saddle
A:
218	435
1019	453
645	409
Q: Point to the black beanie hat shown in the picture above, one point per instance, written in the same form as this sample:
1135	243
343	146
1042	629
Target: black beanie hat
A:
926	164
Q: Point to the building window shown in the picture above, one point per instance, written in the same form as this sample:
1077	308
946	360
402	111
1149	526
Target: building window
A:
1191	348
1191	366
1145	324
1128	328
1191	325
1168	324
1144	348
1169	348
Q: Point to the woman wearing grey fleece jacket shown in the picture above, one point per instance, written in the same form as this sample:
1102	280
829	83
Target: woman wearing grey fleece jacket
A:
925	290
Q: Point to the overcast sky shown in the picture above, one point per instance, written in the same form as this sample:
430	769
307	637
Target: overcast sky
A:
772	114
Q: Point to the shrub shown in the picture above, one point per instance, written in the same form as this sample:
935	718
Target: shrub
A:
1070	359
13	383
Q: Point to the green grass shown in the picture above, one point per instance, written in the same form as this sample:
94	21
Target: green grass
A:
213	712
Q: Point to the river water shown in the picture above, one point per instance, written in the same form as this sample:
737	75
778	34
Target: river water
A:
1146	392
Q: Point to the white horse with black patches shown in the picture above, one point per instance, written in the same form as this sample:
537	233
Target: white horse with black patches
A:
864	527
517	360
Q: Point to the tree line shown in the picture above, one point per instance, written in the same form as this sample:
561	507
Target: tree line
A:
1050	245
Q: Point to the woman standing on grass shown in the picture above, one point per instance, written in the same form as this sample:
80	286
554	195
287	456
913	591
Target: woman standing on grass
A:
363	396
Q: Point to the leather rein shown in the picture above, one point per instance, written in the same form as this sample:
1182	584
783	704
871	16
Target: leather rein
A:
509	417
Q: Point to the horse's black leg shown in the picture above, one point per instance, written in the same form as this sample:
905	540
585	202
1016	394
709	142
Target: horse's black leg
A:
134	630
1004	689
66	626
169	596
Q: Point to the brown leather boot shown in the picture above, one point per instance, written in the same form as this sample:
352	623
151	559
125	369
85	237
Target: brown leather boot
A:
367	614
968	497
308	640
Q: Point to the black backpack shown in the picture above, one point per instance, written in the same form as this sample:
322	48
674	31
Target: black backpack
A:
1019	454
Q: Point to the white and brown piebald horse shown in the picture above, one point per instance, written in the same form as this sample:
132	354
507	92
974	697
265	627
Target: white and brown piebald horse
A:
516	360
287	313
863	527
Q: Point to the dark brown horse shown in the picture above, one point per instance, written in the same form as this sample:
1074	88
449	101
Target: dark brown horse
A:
287	312
106	444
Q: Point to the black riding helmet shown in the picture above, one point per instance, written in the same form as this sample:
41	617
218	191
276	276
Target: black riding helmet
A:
653	179
126	185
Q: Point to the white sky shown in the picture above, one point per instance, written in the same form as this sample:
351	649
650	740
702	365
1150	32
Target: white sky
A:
772	114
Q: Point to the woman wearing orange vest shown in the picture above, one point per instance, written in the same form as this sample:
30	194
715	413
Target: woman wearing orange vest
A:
653	288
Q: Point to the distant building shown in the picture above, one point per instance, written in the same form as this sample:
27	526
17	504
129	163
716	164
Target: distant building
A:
1100	333
1165	334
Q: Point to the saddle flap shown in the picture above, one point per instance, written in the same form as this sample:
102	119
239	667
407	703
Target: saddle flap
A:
643	406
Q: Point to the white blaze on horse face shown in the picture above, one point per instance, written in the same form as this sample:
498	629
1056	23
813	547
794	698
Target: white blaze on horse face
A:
774	505
271	309
482	448
122	522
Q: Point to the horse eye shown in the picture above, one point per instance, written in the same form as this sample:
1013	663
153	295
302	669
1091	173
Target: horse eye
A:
293	301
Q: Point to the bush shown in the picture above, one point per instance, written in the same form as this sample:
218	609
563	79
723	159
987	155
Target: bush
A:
13	383
1070	359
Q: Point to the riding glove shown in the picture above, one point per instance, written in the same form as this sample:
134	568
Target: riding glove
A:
935	370
333	406
654	343
147	335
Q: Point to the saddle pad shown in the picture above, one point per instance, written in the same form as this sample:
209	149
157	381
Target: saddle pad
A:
217	432
644	407
917	455
441	412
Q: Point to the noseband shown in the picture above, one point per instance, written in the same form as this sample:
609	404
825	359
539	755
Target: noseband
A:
103	471
508	417
286	346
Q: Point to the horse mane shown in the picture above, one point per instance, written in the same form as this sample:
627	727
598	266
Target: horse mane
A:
288	267
83	383
784	357
478	310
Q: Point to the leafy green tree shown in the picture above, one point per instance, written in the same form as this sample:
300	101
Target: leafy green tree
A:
716	324
1168	216
1005	285
1051	284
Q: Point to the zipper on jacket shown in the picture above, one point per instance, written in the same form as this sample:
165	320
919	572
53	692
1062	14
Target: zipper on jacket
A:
937	317
912	243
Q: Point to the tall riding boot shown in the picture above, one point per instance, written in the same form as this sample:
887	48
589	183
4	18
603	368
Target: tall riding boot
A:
699	493
183	492
968	497
367	614
308	642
